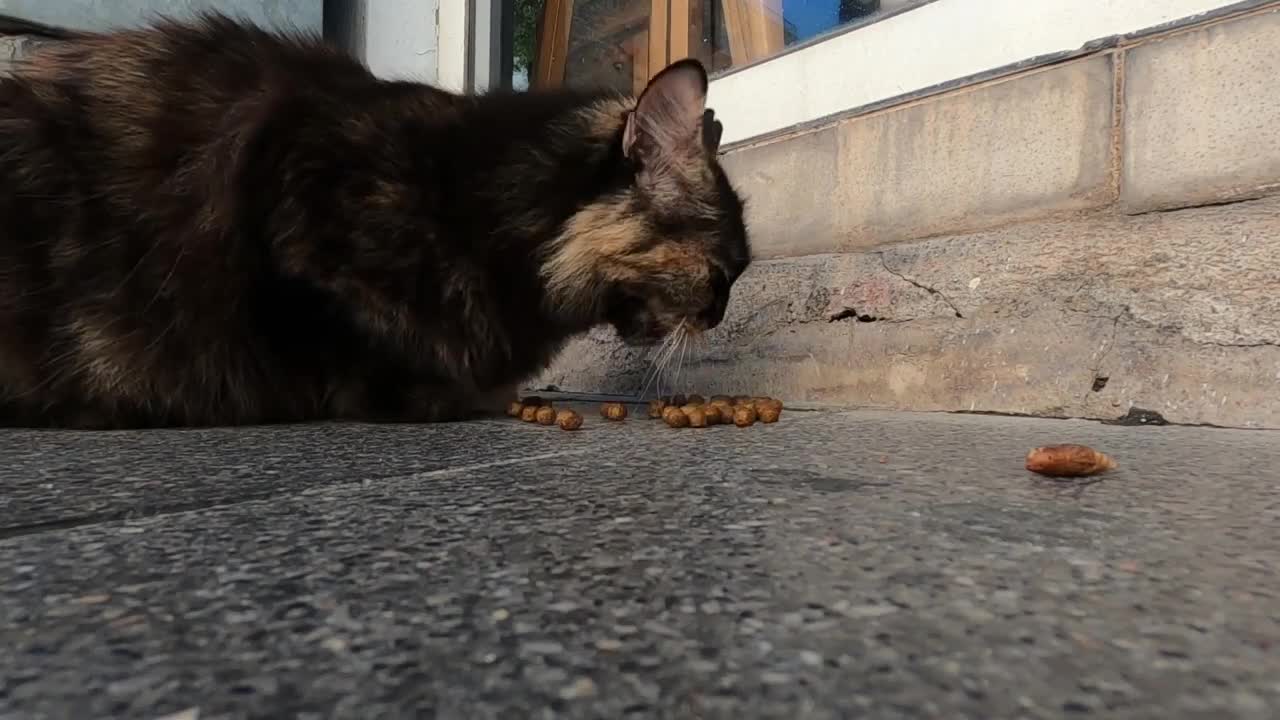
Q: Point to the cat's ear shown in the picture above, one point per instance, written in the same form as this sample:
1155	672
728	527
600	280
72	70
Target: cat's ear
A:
669	114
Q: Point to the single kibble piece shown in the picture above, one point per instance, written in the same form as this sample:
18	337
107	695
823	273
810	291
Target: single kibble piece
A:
725	406
1068	461
529	413
689	406
678	400
568	420
715	415
744	416
656	407
675	417
696	399
769	413
514	408
614	411
604	410
545	415
697	416
762	403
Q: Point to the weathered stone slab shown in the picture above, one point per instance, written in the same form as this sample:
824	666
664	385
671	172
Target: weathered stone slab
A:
1202	115
1025	147
1172	312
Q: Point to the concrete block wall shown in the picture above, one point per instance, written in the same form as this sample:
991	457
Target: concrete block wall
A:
1085	239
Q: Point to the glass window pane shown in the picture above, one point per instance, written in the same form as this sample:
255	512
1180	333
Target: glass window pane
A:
619	44
728	33
583	43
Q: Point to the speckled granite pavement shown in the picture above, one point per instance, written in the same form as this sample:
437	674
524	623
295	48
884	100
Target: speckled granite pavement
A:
832	565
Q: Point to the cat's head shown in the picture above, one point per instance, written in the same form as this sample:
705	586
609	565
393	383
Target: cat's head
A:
664	247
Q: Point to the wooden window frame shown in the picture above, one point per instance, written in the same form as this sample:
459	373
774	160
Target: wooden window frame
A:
754	27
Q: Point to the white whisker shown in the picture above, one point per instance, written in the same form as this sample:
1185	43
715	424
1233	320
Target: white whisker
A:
660	360
684	347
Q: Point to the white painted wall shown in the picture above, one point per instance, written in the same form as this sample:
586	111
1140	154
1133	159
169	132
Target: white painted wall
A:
400	38
937	43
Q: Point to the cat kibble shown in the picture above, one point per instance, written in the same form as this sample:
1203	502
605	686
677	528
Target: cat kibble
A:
770	413
1068	461
614	411
675	417
715	415
568	420
744	416
529	413
656	407
546	415
513	410
697	416
766	402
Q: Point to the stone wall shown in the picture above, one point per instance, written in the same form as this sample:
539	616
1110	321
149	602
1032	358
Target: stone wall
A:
1082	239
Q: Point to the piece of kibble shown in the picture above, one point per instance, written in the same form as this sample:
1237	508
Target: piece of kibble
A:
678	400
689	406
697	399
546	415
675	417
656	407
529	413
514	408
766	402
715	415
1068	461
744	416
697	416
614	411
568	420
769	413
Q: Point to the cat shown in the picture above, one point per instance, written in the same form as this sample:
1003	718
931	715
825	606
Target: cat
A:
203	222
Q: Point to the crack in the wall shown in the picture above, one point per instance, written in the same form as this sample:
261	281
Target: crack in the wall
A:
932	291
850	313
1096	373
1260	343
1254	195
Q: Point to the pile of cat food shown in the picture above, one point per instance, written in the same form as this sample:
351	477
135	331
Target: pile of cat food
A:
677	411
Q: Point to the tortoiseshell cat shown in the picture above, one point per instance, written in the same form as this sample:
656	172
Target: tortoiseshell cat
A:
204	223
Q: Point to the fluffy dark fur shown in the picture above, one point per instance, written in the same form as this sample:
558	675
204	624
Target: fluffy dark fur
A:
206	223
